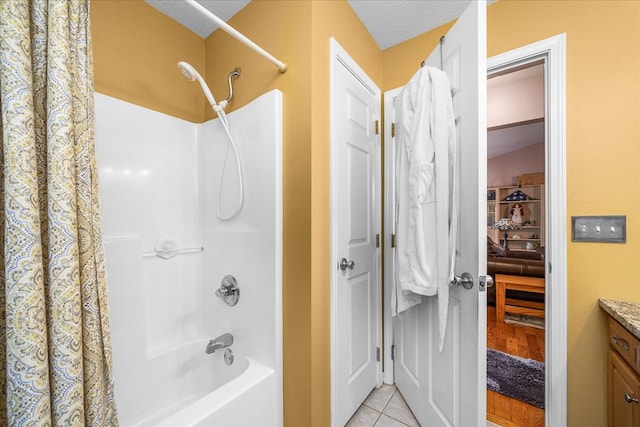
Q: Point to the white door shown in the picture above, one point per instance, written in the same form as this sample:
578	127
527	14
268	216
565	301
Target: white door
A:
355	288
448	388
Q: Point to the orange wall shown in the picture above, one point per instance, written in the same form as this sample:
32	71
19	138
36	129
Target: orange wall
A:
223	54
136	50
603	153
299	33
137	63
338	20
403	60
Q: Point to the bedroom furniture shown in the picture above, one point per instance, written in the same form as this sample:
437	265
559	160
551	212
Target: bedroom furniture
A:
527	198
517	263
507	282
623	362
529	264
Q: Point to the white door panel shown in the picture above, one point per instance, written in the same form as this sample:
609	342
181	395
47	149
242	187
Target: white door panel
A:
448	388
359	343
355	290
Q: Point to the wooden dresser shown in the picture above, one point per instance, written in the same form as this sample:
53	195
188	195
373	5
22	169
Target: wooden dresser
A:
623	363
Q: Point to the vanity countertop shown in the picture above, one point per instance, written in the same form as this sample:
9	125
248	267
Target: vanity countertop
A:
627	313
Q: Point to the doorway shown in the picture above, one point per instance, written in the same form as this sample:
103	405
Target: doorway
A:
552	50
443	381
355	211
516	221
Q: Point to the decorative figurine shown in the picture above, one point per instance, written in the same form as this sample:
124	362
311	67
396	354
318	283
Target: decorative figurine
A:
517	213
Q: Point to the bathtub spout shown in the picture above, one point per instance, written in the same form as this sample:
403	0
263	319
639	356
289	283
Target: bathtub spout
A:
223	341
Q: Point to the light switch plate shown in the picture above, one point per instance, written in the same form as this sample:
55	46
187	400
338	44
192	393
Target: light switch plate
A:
605	229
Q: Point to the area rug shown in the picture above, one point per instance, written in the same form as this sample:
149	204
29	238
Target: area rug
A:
516	377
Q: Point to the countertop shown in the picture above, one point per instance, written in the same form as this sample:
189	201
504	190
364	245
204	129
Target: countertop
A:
627	313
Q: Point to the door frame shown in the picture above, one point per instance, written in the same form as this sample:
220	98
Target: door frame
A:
389	230
553	50
340	57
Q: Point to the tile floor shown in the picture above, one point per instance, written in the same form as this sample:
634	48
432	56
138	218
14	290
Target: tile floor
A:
385	407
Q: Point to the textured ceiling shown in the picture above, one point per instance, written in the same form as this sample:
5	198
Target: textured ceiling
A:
193	19
389	21
393	21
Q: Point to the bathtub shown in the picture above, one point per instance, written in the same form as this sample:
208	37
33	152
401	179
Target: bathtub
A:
159	180
246	401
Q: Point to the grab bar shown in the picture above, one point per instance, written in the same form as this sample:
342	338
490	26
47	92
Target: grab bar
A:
166	249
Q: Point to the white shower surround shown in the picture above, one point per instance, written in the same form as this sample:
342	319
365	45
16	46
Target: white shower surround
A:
159	179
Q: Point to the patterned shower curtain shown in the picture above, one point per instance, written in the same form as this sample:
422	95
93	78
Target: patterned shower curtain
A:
55	350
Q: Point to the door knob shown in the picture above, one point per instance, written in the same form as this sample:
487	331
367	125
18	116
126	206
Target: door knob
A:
630	399
466	280
344	264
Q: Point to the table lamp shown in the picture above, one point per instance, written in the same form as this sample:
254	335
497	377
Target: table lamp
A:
505	224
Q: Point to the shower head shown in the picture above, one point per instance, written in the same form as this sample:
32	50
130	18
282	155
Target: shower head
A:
188	71
192	74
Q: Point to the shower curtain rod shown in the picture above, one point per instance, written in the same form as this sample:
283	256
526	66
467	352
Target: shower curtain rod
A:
282	66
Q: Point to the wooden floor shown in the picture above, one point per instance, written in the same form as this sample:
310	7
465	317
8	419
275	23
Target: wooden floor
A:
520	341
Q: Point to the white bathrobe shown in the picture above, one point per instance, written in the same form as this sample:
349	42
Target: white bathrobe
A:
426	193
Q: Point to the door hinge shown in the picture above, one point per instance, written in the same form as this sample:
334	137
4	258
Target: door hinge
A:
377	240
393	130
393	240
393	352
377	127
377	354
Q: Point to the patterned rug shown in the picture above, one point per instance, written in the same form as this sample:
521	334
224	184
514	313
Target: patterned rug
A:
516	377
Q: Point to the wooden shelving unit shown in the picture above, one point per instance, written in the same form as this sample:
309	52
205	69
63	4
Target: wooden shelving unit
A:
532	228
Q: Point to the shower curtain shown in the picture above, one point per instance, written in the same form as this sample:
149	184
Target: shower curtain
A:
55	356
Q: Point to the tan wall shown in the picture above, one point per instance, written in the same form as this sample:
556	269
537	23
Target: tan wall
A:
136	50
603	143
